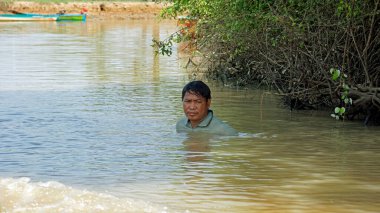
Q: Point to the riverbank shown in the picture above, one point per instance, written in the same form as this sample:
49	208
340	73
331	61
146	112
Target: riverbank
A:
96	10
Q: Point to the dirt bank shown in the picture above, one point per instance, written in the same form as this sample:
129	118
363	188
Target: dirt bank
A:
96	10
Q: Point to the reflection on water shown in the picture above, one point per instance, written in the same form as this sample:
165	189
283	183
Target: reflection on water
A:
87	119
197	147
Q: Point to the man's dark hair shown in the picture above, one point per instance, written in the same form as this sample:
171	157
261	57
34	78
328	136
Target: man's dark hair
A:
198	88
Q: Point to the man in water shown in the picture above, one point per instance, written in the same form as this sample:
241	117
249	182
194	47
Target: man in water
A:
196	99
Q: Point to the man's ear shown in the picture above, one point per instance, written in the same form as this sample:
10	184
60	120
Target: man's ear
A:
208	103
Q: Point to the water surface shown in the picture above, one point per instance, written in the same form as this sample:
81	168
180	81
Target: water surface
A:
87	120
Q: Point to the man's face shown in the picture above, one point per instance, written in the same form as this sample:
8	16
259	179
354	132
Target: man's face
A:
195	107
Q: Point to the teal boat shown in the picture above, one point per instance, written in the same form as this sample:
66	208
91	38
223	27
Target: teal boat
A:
72	17
17	16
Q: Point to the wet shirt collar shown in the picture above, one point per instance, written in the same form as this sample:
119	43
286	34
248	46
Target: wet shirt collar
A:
205	122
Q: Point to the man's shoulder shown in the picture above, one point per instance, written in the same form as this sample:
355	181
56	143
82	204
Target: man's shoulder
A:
216	120
181	123
214	126
222	126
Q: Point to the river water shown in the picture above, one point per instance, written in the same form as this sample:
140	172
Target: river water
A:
87	124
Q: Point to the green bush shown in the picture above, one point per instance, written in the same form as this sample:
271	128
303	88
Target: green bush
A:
290	46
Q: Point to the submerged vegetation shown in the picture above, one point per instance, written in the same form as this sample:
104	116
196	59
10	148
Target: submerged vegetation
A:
315	54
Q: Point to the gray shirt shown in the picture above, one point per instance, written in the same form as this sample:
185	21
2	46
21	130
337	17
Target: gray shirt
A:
210	124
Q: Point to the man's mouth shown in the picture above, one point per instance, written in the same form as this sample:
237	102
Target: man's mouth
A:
191	113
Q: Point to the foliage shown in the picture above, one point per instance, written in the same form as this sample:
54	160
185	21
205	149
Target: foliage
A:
336	75
164	47
289	46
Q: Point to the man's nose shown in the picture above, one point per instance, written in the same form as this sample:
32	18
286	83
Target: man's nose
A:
192	105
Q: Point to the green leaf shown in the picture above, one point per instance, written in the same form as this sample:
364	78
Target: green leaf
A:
346	87
342	111
336	74
337	110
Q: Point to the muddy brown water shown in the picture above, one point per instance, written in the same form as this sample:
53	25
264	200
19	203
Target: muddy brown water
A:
87	119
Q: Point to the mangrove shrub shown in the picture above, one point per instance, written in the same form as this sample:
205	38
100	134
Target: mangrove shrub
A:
295	48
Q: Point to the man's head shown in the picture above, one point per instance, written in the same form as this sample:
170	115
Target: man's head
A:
197	88
196	99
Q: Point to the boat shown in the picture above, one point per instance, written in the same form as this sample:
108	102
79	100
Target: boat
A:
27	17
61	16
72	17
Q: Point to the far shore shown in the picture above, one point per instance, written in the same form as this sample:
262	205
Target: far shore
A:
96	10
